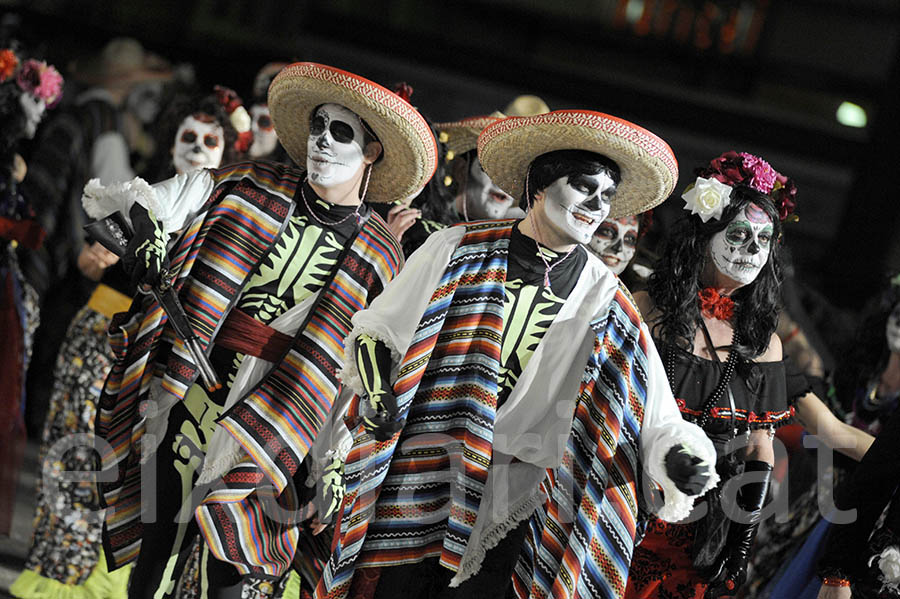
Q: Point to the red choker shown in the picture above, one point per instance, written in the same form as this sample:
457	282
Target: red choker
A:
713	305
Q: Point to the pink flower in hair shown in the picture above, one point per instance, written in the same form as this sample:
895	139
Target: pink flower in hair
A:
41	80
763	175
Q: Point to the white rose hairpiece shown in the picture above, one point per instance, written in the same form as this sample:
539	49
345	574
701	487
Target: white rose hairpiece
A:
711	193
707	198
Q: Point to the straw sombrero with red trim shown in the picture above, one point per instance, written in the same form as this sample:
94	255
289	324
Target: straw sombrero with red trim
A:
410	151
649	170
462	136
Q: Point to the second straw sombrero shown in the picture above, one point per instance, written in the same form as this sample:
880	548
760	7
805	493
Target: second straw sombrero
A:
648	166
410	151
462	135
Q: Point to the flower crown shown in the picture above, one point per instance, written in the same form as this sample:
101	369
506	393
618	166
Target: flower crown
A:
708	196
35	77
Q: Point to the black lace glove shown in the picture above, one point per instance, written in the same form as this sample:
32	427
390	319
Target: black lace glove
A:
687	471
145	255
730	571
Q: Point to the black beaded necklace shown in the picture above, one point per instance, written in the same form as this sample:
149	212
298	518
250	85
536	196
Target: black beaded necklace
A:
724	379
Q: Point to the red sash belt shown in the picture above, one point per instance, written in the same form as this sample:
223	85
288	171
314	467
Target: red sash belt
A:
246	335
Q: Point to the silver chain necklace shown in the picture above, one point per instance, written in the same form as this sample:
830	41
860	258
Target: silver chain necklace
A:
337	222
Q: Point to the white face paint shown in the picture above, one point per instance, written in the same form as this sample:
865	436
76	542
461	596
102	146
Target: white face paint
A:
34	109
575	206
198	144
144	100
264	137
741	249
893	329
615	241
334	150
484	200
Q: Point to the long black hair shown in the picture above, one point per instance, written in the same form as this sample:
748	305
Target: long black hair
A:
674	284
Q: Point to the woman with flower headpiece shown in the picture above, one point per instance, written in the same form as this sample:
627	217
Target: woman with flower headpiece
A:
65	558
27	89
711	304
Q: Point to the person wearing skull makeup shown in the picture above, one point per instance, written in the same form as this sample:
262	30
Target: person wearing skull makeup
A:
271	263
65	555
509	396
27	88
194	132
265	141
86	137
712	307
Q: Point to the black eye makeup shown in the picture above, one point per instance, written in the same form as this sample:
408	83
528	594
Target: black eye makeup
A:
188	136
341	132
211	141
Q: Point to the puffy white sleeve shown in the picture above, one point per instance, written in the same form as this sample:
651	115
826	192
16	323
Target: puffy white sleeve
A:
663	428
174	202
393	316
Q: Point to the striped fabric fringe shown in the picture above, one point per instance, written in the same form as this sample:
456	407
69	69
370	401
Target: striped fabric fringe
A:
247	211
422	500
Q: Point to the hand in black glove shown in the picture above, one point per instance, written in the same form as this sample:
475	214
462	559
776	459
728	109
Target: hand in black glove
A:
688	472
730	571
145	256
381	423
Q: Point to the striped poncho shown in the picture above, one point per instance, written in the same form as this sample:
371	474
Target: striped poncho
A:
421	494
247	208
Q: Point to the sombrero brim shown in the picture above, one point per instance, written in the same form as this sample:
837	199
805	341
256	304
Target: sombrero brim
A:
648	166
462	135
410	151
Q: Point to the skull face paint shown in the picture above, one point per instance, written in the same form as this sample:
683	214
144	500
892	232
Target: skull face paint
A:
484	200
615	242
34	109
576	205
145	100
264	137
334	150
893	329
199	143
741	250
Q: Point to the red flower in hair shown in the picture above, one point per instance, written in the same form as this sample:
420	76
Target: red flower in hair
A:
714	305
8	64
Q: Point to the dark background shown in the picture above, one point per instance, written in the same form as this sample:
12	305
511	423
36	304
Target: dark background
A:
762	76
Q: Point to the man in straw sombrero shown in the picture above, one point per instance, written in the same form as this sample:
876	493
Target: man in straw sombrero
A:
271	262
511	396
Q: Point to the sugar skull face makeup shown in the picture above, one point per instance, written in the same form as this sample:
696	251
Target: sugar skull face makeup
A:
264	137
199	143
893	329
615	242
576	205
33	108
741	250
484	200
334	150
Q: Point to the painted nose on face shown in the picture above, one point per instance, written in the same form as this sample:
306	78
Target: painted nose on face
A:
593	204
753	248
323	141
616	246
196	149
